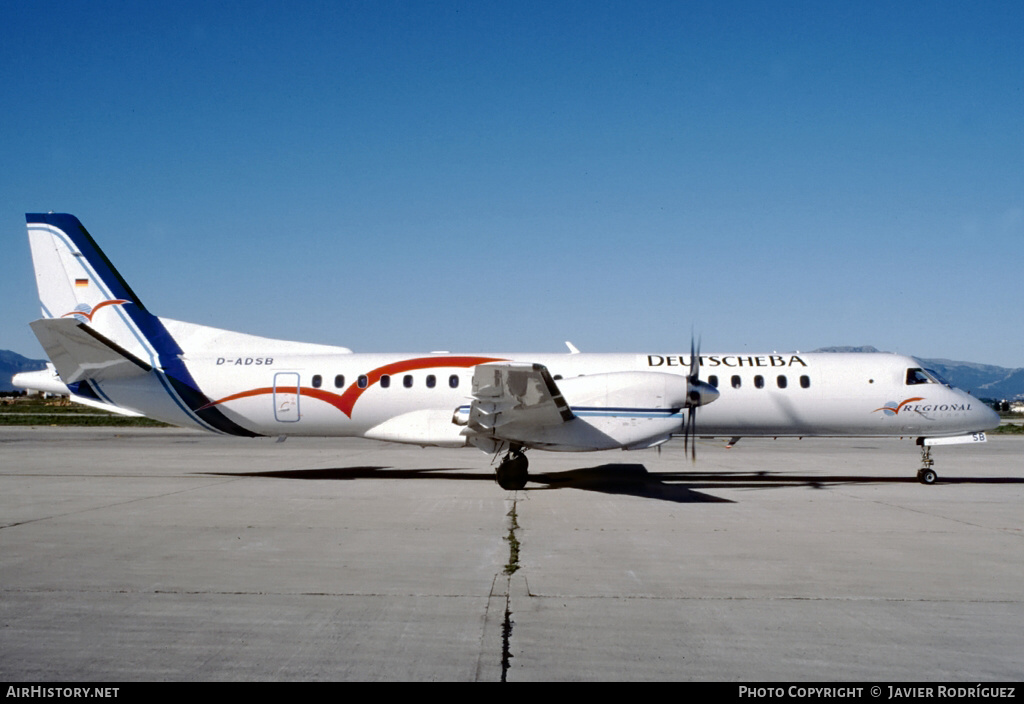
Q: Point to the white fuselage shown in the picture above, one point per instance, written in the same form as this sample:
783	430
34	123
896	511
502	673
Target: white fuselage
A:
281	388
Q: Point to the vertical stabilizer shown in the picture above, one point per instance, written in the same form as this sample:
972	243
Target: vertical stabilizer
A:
76	280
110	348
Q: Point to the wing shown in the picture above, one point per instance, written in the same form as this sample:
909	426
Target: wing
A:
511	400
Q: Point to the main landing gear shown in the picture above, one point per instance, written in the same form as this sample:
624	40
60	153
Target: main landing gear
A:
926	475
513	470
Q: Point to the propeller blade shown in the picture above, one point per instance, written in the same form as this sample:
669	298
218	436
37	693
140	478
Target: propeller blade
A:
686	433
691	432
690	424
694	361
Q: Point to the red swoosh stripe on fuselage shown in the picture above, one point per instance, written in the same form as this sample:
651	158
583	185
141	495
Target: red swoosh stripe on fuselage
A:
347	400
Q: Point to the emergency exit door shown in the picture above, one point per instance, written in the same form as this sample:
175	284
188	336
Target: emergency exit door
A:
286	397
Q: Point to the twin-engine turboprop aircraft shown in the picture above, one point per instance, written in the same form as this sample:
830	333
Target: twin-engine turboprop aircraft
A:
109	349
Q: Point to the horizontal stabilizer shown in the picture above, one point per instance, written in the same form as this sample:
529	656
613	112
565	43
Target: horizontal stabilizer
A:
80	353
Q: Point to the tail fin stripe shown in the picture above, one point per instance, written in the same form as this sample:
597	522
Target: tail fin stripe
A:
97	393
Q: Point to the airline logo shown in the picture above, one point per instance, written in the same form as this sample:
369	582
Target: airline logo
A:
764	360
892	408
924	409
83	312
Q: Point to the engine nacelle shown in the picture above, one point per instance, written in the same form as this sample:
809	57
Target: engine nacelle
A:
627	410
640	390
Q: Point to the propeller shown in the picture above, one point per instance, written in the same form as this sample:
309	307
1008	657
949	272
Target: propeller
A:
699	393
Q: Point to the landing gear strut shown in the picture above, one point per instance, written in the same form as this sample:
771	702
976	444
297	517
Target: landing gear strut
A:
926	475
513	471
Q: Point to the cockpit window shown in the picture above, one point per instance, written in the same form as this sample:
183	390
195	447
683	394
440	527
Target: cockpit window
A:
918	376
937	377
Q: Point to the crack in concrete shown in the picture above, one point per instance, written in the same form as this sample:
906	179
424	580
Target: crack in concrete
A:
510	568
506	637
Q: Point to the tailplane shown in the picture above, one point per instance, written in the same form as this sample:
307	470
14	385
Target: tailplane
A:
104	343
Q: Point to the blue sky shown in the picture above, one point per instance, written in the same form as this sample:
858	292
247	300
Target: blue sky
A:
410	176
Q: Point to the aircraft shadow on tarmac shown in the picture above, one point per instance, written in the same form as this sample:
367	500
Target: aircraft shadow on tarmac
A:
621	479
625	479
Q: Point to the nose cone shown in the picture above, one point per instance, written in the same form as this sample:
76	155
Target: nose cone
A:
20	380
702	393
989	419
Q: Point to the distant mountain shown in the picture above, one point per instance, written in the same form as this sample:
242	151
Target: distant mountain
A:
12	363
982	380
865	348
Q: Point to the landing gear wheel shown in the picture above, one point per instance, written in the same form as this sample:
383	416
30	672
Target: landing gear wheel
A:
926	475
513	472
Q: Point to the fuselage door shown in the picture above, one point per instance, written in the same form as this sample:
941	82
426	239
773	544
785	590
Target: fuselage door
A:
286	397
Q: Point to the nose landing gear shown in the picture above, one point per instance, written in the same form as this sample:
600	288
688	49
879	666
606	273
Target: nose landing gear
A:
926	475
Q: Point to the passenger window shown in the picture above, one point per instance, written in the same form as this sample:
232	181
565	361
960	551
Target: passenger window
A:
453	381
339	381
385	381
736	383
431	381
713	380
317	381
363	382
781	380
759	381
407	381
805	382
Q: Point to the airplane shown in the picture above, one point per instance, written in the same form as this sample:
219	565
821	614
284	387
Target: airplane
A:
48	381
109	349
45	381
